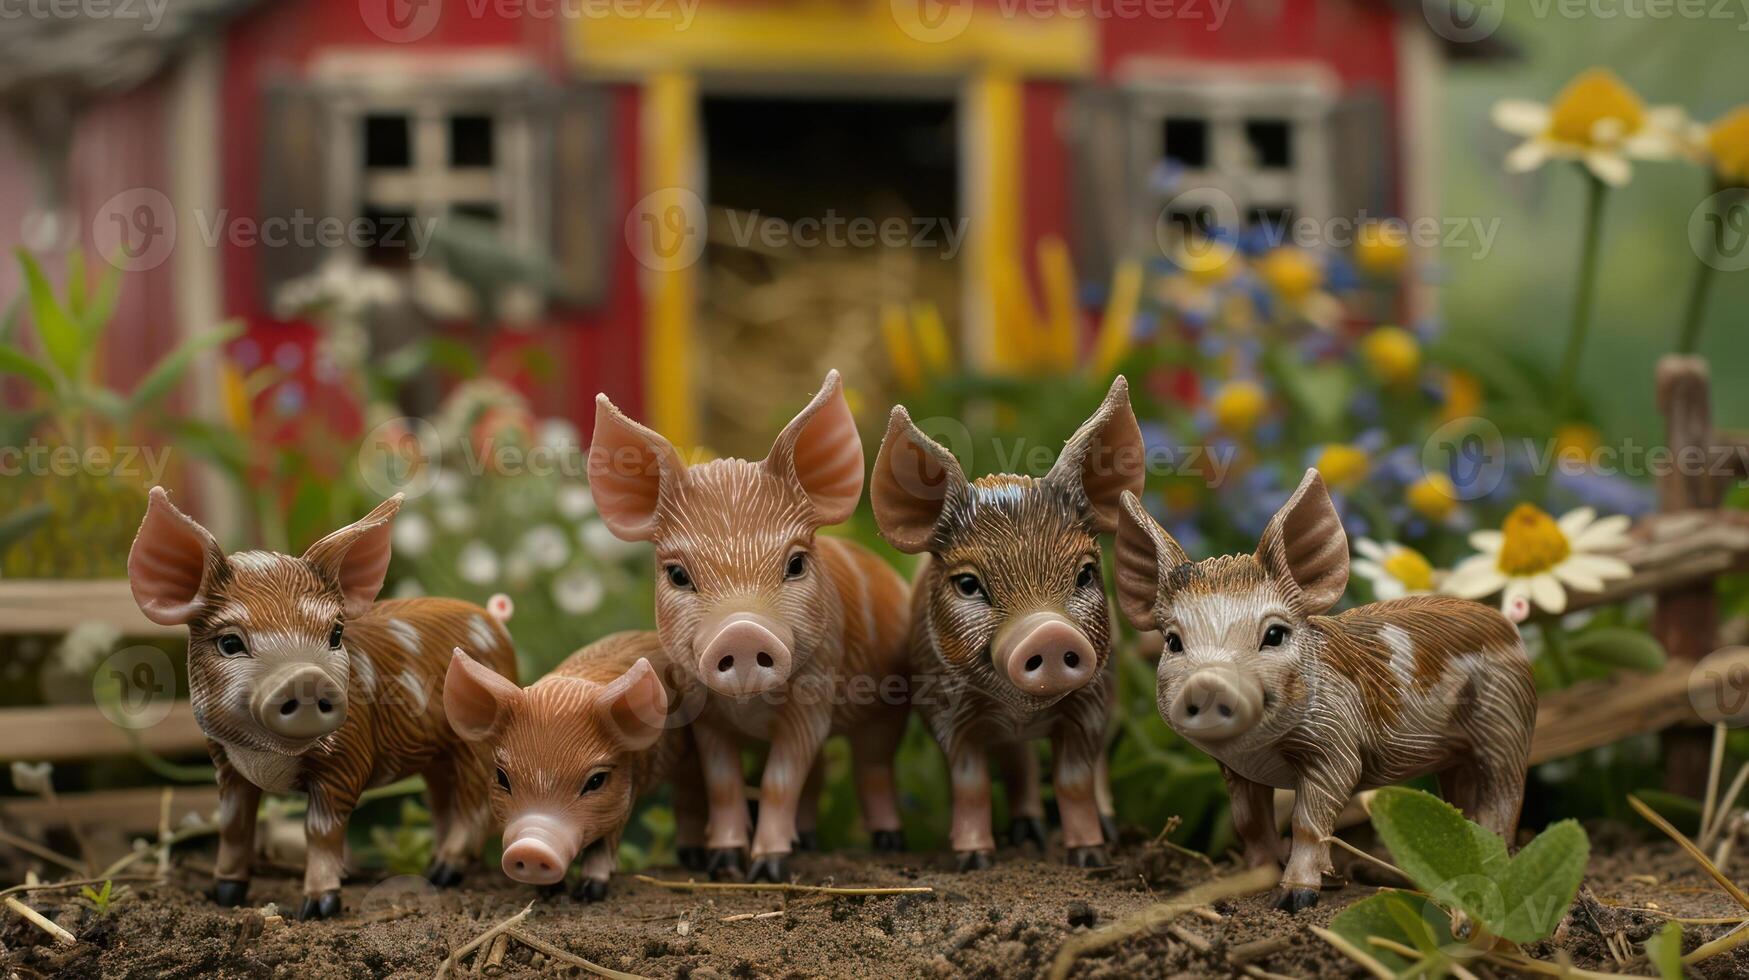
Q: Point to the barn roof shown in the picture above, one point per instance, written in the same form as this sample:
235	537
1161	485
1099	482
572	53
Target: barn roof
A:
80	48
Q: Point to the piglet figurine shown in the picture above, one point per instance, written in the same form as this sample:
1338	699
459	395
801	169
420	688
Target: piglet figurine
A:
1283	696
1010	630
572	753
785	636
304	683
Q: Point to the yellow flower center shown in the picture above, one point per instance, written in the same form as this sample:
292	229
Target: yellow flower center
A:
1407	566
1576	443
1290	272
1596	96
1392	354
1728	142
1463	396
1239	405
1343	466
1433	496
1206	261
1380	249
1534	542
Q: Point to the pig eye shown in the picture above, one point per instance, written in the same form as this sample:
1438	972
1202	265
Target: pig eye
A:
334	636
1088	572
678	578
595	782
232	645
503	779
1174	644
969	586
1275	635
797	565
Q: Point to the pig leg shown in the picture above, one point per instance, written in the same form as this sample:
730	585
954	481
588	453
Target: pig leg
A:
1026	805
325	858
1073	752
795	747
1254	819
719	754
690	806
599	861
1499	791
969	772
239	803
1102	798
872	748
808	807
1318	800
461	815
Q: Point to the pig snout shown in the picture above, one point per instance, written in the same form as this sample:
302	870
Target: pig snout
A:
746	654
538	850
1045	655
300	703
1216	703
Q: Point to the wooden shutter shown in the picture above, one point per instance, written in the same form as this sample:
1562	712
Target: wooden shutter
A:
295	137
1106	189
584	185
1364	156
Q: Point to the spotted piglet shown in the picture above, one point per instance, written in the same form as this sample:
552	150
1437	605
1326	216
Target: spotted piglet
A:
572	753
304	683
1010	630
780	634
1255	674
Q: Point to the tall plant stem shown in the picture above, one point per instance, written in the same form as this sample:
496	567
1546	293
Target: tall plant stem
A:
1567	382
1697	297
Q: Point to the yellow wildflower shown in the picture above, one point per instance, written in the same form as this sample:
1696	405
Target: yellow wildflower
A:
1238	406
1596	120
1433	497
1393	355
1343	465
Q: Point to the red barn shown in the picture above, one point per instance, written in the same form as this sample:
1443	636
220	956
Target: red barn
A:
220	149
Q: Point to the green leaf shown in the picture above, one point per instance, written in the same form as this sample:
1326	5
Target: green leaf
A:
163	377
101	307
1541	880
1395	916
1664	949
1619	647
1429	839
9	322
61	337
15	361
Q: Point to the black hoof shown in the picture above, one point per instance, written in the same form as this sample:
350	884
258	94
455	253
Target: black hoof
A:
590	890
327	906
1088	857
1291	900
1108	827
692	858
975	860
444	875
888	841
551	891
724	864
807	840
1022	830
771	867
230	893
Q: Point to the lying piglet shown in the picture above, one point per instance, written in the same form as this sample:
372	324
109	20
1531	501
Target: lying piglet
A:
1283	696
1010	630
785	635
572	753
304	683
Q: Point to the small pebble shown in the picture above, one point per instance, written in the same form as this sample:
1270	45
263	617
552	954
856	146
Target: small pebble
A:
1082	914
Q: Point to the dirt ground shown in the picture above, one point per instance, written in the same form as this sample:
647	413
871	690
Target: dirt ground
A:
1006	922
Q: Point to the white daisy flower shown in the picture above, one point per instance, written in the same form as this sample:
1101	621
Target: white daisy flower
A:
578	592
477	564
455	516
1394	570
599	541
1537	558
574	502
411	535
1596	120
547	546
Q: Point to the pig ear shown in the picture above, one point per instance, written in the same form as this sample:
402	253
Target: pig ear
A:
821	449
629	466
172	563
914	478
476	699
1305	548
357	555
635	706
1145	555
1104	458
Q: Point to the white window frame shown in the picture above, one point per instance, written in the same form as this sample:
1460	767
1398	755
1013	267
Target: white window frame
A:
428	90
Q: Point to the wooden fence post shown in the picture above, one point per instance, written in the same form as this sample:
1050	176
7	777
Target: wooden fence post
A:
1686	620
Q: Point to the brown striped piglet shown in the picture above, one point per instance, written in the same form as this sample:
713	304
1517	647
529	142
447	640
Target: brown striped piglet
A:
1284	696
1010	630
304	683
778	634
573	752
